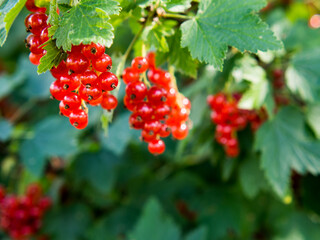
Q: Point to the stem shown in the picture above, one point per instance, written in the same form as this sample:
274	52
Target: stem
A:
173	15
120	67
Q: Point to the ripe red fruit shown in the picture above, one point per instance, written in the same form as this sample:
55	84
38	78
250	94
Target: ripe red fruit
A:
143	110
128	103
36	22
136	90
88	78
135	121
102	63
157	95
93	50
108	81
109	102
30	5
65	110
148	136
44	35
89	94
130	75
140	64
60	70
153	126
57	91
161	112
156	147
77	62
79	119
69	83
35	58
165	131
33	42
180	131
151	58
72	100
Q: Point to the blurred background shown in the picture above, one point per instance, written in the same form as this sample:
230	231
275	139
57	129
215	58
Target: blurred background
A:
106	185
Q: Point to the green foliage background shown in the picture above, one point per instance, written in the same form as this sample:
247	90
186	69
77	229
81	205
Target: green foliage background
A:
105	184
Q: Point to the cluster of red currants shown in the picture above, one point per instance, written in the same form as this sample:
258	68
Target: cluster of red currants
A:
21	217
84	78
230	119
158	109
36	23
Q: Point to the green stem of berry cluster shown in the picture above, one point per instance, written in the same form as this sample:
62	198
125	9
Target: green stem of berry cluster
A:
177	16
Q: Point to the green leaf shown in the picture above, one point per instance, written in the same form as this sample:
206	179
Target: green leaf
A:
177	5
285	146
223	23
251	177
52	58
154	222
200	233
179	57
303	74
97	168
156	34
9	10
68	222
313	118
119	135
87	22
53	136
5	130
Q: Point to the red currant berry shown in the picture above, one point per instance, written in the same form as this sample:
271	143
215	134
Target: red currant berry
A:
60	70
89	94
33	42
140	64
69	83
108	81
180	131
77	62
161	112
35	58
96	102
44	35
93	50
136	90
65	110
30	5
143	110
57	91
156	147
103	63
135	121
157	95
151	58
36	22
88	78
109	102
72	100
79	119
153	126
148	136
130	75
165	131
128	103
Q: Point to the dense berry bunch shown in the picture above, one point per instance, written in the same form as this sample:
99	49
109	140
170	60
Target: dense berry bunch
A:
36	23
158	108
230	119
21	217
84	78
